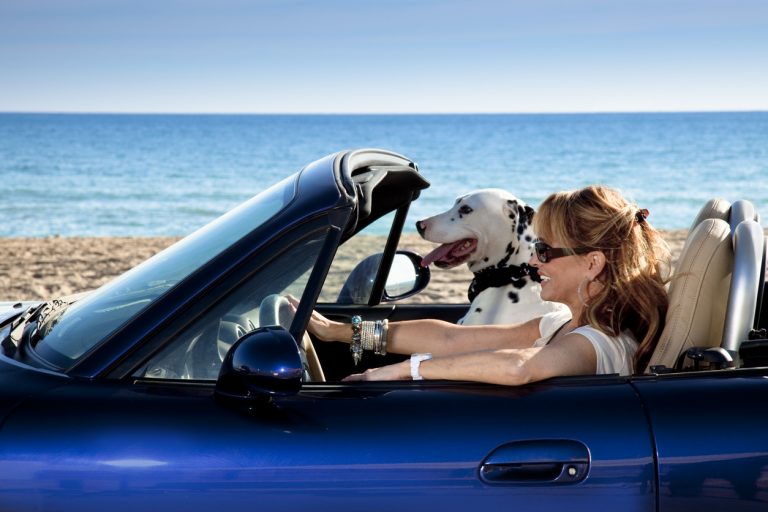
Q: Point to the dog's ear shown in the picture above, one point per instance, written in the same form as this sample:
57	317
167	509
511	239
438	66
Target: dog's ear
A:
511	209
525	213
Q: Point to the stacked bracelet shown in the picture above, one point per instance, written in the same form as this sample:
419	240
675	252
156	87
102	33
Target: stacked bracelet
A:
356	346
368	336
380	348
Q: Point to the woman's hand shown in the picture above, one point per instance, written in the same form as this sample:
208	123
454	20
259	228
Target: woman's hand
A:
398	371
323	328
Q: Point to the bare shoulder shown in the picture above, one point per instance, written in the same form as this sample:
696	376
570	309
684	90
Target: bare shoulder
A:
572	354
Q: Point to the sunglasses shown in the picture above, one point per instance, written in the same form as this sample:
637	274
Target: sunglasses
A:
545	253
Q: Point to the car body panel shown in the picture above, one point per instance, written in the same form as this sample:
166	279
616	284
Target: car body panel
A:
414	446
709	434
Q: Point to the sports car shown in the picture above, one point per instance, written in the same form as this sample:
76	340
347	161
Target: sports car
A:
189	383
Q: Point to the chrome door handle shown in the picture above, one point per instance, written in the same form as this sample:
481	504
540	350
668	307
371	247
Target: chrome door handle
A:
554	461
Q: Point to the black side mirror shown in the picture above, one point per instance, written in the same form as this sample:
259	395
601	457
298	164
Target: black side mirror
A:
406	277
262	364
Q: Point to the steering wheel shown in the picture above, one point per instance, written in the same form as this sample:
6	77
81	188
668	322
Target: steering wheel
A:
276	310
203	356
231	329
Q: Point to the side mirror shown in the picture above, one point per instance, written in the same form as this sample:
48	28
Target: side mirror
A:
262	364
406	277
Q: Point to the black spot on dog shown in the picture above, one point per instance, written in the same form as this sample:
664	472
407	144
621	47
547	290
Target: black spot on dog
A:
528	238
513	297
478	310
486	259
512	207
503	262
518	283
525	214
529	212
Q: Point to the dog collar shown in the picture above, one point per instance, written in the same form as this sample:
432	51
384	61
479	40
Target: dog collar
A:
493	277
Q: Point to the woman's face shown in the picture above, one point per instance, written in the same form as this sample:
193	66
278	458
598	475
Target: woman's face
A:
560	276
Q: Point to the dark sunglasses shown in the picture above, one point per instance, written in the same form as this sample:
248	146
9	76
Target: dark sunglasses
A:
545	253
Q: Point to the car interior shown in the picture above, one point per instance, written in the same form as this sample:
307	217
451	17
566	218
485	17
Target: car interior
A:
713	321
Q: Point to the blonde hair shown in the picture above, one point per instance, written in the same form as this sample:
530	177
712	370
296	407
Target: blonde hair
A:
633	297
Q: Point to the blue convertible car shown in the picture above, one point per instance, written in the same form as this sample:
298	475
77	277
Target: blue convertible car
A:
187	384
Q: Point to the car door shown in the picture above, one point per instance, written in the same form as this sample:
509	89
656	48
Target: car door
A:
709	432
564	444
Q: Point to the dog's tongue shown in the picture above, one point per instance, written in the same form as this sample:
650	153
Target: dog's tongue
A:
450	255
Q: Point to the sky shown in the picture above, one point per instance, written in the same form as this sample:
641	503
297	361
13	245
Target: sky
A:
383	56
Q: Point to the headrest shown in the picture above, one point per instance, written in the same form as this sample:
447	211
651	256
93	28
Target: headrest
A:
713	209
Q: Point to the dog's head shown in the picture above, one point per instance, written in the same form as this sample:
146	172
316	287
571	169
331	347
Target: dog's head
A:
485	228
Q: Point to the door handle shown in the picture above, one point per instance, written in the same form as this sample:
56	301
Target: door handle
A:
553	461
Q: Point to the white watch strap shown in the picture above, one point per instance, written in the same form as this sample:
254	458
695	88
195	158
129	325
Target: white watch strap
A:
416	360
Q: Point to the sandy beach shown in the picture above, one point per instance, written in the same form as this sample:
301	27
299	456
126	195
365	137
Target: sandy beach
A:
45	268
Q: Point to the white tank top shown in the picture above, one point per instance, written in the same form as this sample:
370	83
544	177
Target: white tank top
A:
614	354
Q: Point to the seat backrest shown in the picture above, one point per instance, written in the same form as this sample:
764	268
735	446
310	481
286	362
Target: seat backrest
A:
697	293
715	290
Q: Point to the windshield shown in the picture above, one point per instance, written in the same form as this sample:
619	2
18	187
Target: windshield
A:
86	322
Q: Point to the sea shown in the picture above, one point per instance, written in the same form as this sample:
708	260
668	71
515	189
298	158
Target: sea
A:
167	175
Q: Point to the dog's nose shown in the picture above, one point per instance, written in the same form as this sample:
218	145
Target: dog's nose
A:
420	227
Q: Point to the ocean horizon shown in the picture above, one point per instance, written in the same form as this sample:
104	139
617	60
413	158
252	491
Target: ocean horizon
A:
68	174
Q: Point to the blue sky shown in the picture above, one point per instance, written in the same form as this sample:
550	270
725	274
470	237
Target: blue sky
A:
389	56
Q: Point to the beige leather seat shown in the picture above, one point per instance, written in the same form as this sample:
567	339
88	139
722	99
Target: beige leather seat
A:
708	306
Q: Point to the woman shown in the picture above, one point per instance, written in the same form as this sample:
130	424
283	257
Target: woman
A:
596	254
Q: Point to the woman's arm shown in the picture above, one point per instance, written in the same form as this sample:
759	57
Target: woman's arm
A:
571	355
443	338
435	336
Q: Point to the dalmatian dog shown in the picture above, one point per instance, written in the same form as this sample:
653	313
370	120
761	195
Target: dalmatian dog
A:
490	230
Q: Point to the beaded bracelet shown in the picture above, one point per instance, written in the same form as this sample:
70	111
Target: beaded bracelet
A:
356	346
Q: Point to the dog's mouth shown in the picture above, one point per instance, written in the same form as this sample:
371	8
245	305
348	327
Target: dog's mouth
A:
451	254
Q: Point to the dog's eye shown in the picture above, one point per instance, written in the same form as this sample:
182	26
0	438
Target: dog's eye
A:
465	210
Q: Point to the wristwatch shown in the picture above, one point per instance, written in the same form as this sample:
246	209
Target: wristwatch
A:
416	360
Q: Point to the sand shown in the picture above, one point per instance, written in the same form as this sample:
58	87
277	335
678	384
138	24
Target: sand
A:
46	268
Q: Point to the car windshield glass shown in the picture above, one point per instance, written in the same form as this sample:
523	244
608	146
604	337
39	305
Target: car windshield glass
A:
197	351
94	317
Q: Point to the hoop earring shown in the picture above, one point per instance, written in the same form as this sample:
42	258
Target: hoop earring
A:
578	291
